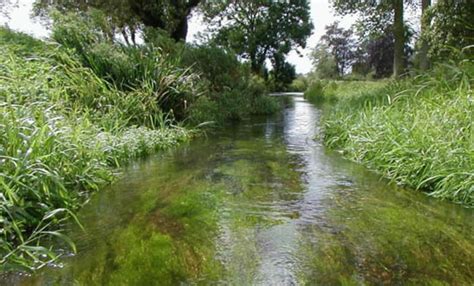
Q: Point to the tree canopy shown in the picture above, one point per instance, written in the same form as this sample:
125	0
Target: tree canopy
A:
260	30
341	46
127	15
376	14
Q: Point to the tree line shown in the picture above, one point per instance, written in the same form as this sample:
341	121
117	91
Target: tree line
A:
257	31
382	42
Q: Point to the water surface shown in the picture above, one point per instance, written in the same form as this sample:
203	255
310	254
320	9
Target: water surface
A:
262	203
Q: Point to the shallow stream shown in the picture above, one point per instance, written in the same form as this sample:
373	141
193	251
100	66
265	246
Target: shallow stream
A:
263	203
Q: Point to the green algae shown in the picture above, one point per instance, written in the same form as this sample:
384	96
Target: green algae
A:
241	209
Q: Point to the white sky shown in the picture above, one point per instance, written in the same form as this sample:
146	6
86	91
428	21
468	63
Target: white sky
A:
321	15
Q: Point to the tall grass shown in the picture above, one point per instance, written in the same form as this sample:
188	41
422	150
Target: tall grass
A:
331	91
418	132
64	129
142	69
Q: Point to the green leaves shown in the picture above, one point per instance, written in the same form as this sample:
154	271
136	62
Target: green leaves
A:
417	132
259	30
63	132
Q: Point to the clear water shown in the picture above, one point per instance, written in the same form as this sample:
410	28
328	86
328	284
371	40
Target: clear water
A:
262	203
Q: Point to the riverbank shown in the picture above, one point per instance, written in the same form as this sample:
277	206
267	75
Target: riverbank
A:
417	132
64	133
260	202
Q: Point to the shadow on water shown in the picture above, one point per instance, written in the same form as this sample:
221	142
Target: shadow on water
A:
261	202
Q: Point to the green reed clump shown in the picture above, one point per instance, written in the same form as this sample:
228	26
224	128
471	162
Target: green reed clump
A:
320	91
145	68
418	132
63	131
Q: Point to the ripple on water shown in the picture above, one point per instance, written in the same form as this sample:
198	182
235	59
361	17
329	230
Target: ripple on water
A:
262	203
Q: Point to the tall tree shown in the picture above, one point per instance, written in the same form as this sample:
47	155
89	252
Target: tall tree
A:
324	63
450	30
341	46
168	15
283	73
424	47
261	29
399	38
376	12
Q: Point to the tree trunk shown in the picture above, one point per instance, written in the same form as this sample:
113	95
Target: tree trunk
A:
181	30
399	33
254	66
180	10
423	55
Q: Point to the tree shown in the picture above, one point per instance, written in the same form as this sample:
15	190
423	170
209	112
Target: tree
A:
424	46
5	5
376	13
259	30
324	62
169	15
283	73
341	46
450	29
127	15
380	53
375	51
399	39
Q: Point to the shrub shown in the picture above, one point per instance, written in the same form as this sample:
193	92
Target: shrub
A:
332	91
218	67
232	92
300	84
205	110
142	69
315	92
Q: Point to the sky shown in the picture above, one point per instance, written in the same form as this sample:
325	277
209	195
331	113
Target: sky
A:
321	15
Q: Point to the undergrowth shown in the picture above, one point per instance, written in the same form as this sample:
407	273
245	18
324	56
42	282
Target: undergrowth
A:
418	132
64	130
330	91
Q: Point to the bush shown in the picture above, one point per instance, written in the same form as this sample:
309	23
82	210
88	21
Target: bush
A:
205	110
300	84
315	92
218	67
232	92
332	91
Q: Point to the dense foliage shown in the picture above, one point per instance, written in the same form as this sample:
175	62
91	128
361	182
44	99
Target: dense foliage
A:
417	132
232	92
142	69
320	91
450	29
260	30
64	131
130	18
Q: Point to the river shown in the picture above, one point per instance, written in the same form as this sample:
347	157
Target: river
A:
263	202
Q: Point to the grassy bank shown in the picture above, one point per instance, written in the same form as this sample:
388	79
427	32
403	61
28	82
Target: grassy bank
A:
64	130
331	91
75	108
418	132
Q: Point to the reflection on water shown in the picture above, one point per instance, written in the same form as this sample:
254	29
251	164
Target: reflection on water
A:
262	203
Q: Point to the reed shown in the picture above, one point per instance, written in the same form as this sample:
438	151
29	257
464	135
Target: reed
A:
64	130
418	132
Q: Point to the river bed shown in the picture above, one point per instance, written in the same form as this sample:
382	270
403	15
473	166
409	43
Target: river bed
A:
263	202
